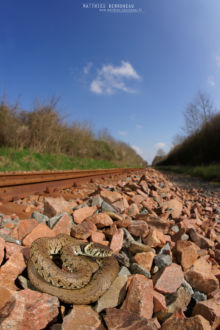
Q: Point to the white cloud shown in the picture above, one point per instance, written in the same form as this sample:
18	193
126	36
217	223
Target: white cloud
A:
160	145
217	60
122	133
87	68
111	78
138	150
211	80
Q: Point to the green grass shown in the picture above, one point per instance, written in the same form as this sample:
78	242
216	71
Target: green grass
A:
28	160
209	172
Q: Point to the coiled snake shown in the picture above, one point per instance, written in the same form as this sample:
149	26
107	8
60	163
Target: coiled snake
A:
89	268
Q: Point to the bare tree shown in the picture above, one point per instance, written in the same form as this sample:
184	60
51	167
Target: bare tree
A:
198	113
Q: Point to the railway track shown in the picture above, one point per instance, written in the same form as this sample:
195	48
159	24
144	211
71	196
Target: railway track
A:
15	185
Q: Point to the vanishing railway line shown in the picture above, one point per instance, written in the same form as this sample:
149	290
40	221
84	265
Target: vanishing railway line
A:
20	184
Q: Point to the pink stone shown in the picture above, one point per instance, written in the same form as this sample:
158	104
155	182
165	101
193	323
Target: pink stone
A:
63	226
137	199
144	259
42	230
12	248
155	239
84	229
83	213
11	269
195	322
97	237
101	220
24	228
32	310
117	241
210	310
138	228
118	319
186	253
159	302
175	205
170	279
139	298
82	317
7	301
133	210
110	196
54	206
121	205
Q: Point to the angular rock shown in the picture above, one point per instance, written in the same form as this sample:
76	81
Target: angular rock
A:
201	278
42	230
39	217
101	220
133	210
186	253
118	319
83	213
137	269
121	205
144	259
82	317
181	300
117	241
32	310
11	269
159	302
136	247
210	310
155	239
110	196
175	206
139	298
169	279
200	240
7	301
63	225
54	206
196	322
114	295
83	230
24	228
138	228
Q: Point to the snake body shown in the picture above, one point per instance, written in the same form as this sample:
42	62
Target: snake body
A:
84	280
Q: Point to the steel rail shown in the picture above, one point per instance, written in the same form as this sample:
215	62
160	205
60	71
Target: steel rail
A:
19	184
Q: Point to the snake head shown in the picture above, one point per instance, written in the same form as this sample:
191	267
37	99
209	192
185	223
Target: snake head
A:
97	250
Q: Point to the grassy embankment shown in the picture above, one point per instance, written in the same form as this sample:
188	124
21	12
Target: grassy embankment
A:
27	160
198	155
41	139
209	172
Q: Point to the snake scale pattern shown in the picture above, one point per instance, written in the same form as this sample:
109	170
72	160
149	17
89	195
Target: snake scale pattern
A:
88	269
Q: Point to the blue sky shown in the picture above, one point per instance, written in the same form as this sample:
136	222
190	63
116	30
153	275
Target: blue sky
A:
132	73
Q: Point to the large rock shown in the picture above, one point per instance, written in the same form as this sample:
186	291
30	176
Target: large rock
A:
170	279
11	269
138	228
195	323
114	295
24	228
144	259
209	309
63	225
54	206
200	276
42	230
110	196
101	220
186	253
117	241
175	206
83	213
82	317
32	310
118	319
139	298
7	301
155	239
